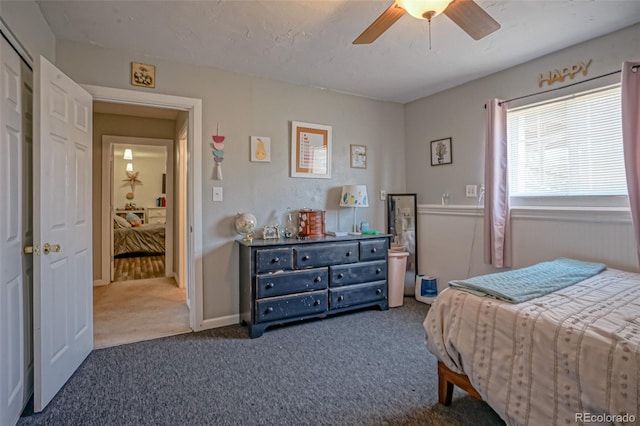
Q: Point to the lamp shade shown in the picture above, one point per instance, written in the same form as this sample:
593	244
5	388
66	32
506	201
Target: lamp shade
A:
128	154
354	196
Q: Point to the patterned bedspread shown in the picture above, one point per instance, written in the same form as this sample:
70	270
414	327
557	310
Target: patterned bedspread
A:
569	357
145	239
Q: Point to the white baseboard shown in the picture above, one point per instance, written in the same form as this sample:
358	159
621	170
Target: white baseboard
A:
219	322
100	282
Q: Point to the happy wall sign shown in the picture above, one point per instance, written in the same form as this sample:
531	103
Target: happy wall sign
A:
570	71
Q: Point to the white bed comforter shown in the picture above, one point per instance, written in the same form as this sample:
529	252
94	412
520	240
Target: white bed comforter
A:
570	357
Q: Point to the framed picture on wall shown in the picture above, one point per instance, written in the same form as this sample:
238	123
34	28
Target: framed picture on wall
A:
310	150
358	154
143	75
441	152
260	149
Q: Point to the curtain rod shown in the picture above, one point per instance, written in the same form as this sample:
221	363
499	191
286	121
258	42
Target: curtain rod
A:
633	68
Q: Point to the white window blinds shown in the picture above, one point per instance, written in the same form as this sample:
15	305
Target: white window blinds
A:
567	147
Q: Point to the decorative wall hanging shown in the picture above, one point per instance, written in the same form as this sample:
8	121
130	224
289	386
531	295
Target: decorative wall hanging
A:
560	74
143	75
358	156
310	150
441	152
260	149
132	178
218	153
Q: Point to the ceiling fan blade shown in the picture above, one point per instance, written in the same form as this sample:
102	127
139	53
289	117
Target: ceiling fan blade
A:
380	25
471	18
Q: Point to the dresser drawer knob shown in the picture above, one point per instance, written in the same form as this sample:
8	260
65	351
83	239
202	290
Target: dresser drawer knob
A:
374	250
318	279
269	310
316	303
270	285
378	291
340	298
378	270
275	260
348	253
340	275
306	257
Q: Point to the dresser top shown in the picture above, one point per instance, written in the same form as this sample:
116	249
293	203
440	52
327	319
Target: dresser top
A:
259	242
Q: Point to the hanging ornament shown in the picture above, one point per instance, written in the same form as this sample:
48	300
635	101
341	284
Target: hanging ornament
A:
132	178
218	152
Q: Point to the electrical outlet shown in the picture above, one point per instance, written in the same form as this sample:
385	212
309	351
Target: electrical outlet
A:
217	193
383	195
471	191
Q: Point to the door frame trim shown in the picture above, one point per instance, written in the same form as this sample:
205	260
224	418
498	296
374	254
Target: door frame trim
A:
194	178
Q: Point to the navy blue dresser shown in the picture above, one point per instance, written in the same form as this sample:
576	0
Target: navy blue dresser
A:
288	280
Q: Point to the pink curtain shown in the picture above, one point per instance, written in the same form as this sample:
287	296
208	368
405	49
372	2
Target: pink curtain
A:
497	220
631	139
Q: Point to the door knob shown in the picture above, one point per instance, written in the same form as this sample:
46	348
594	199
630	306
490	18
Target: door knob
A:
47	248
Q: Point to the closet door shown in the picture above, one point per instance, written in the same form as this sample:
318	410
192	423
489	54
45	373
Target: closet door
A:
12	337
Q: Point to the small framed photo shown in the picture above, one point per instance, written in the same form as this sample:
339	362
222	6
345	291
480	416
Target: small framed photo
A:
441	152
143	75
260	149
271	232
358	155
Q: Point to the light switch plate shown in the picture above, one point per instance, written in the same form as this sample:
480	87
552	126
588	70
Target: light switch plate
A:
217	193
383	195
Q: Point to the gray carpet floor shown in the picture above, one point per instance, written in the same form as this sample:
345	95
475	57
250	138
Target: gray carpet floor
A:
365	368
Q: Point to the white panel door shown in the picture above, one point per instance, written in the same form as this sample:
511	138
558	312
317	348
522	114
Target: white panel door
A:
63	310
12	386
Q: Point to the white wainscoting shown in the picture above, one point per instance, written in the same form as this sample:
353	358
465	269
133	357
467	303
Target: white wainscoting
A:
451	238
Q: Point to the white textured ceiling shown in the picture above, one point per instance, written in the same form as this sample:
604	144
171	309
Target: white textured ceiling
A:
309	42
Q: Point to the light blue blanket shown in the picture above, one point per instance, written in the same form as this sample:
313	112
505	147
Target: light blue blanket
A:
520	285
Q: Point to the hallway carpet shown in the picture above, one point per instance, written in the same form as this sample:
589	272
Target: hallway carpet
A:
133	311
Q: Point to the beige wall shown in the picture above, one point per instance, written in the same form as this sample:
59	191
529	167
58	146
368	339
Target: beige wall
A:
117	125
246	106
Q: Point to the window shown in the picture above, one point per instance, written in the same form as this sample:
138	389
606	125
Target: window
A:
570	146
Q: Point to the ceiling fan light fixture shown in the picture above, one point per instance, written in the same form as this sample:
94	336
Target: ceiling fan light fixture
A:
424	9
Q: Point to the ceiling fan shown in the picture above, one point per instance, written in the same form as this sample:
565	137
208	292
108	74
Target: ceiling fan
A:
465	13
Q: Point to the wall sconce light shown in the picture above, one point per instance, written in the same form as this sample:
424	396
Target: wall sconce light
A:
129	167
128	154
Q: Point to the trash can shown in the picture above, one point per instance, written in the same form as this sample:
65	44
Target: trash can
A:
397	270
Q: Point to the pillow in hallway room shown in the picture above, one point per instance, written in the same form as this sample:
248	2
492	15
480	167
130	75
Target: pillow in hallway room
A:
120	222
134	219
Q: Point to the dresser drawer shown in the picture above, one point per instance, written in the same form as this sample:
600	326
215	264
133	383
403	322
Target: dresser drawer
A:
341	275
326	254
277	308
357	294
373	249
269	285
269	260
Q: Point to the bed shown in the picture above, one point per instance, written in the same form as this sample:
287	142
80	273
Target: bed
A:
570	356
140	240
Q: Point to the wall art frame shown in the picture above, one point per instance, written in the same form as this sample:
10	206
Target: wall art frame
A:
358	156
260	149
310	150
441	153
143	75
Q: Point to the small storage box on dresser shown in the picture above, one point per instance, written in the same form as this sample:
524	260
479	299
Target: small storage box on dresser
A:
291	280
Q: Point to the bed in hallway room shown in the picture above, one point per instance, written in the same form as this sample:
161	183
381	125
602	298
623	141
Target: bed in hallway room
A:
539	358
141	240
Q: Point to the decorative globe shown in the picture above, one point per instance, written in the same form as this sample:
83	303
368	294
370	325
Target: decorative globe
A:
245	224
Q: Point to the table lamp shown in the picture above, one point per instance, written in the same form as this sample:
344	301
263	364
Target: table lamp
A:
354	196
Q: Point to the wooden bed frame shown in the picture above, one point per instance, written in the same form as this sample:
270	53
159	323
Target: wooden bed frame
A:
447	379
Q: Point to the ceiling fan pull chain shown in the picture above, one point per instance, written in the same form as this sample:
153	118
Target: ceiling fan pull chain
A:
429	20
